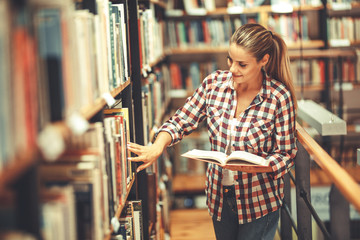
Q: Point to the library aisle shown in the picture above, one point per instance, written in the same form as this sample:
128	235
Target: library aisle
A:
191	224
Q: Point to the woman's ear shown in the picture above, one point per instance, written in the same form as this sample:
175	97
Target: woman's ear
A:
265	60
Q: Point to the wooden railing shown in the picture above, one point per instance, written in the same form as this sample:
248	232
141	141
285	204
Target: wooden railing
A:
342	180
346	191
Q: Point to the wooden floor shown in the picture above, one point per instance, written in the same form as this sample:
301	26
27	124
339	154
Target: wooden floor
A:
191	224
195	224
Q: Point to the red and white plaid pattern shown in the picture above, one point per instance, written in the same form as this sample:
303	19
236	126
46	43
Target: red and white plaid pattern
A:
266	128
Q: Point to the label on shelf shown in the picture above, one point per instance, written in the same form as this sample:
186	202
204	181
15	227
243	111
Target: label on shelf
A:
346	86
339	42
115	224
235	10
77	123
196	11
357	129
280	6
338	6
174	13
108	99
51	142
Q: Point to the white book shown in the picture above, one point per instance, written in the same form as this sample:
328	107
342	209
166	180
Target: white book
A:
236	158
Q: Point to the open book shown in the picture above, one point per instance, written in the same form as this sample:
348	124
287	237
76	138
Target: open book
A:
236	158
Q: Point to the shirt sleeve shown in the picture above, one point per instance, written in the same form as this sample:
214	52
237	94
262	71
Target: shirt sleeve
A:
187	118
282	159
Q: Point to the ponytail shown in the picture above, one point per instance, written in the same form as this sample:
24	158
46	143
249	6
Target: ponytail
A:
278	66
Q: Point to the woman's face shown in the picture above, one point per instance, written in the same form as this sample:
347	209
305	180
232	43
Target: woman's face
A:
243	66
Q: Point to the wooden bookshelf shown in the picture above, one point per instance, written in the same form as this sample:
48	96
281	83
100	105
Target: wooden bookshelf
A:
89	111
253	10
262	9
188	184
318	87
27	158
321	53
310	49
312	44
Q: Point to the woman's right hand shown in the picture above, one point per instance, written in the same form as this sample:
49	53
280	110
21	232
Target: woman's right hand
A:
149	154
146	154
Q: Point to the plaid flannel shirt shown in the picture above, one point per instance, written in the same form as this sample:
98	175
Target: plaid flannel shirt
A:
266	128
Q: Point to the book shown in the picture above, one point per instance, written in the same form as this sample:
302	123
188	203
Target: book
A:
58	213
137	216
49	35
236	158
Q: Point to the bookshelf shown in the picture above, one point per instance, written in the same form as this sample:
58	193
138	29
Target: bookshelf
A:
96	68
154	98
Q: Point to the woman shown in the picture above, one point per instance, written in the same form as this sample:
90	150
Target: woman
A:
251	107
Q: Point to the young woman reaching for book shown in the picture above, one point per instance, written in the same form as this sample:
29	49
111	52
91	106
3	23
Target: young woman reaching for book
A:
250	107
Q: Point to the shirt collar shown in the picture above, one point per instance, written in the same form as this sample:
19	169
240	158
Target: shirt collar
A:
265	91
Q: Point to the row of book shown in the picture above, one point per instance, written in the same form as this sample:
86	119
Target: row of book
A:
343	30
131	222
216	32
83	189
341	4
311	72
189	76
292	27
155	97
201	7
56	58
151	37
213	32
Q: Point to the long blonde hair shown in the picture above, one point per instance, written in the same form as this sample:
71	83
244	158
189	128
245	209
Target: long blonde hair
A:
259	41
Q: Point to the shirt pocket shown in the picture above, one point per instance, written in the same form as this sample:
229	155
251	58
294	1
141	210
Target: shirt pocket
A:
214	119
259	133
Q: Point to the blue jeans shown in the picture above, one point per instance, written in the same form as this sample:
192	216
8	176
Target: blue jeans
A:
229	228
